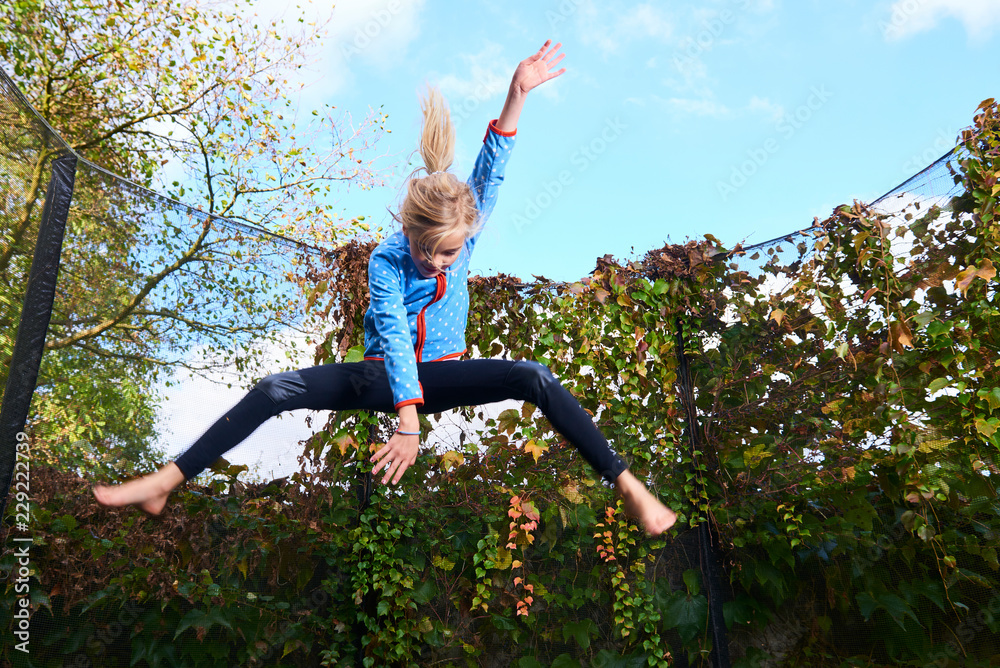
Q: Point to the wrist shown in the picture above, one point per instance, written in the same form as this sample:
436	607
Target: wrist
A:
516	91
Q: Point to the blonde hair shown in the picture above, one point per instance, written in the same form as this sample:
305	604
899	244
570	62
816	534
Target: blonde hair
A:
437	203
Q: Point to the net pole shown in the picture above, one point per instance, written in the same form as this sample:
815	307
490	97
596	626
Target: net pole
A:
706	543
35	315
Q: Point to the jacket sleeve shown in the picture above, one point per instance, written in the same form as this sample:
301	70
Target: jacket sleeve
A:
385	285
487	174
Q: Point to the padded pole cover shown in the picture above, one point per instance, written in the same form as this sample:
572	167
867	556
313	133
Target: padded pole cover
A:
31	331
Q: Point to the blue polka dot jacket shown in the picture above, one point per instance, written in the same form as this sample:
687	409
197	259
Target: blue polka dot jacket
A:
414	319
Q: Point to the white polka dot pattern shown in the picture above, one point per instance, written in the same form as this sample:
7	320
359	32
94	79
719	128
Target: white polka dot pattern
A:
399	292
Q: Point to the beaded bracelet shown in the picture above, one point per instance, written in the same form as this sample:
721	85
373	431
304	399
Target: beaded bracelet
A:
408	433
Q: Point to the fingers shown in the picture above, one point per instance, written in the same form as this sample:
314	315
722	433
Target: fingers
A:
390	470
541	51
395	457
542	54
395	468
552	52
556	61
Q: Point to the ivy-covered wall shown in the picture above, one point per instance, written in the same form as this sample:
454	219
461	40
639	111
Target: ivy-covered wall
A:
849	400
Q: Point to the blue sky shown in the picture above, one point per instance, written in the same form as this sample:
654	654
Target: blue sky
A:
738	118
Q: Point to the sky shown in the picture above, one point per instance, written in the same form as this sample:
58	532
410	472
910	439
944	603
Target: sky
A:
743	119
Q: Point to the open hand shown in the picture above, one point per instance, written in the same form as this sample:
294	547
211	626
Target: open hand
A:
396	456
536	69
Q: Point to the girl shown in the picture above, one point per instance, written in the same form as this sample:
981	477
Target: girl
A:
415	330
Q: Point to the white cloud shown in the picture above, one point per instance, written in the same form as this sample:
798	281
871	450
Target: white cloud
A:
375	32
646	20
488	75
194	403
706	105
909	17
690	76
763	105
608	28
699	107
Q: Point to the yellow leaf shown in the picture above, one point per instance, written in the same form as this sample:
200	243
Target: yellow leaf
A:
832	406
965	277
777	315
343	442
571	490
451	460
536	449
936	444
985	428
443	562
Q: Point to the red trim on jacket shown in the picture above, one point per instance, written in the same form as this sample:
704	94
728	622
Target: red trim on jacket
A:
493	126
442	283
418	402
451	356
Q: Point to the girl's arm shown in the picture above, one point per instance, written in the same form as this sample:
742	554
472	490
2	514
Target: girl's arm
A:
530	73
401	451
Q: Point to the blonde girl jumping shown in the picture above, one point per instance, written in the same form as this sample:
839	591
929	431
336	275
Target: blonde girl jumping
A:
415	330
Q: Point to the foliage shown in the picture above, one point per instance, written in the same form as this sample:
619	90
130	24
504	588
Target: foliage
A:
847	390
188	97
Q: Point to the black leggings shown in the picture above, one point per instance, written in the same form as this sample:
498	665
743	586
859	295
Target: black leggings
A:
365	385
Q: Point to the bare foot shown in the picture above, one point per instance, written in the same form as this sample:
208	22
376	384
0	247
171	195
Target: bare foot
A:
643	506
148	492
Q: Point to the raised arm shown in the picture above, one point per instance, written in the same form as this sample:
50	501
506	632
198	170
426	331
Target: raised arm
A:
531	72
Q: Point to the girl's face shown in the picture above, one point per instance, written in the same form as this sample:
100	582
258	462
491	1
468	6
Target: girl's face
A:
445	256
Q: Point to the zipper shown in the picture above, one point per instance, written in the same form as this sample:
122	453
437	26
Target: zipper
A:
442	283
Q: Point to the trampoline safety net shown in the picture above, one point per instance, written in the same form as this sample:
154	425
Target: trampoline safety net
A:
818	408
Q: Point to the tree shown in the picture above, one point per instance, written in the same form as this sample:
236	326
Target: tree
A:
148	89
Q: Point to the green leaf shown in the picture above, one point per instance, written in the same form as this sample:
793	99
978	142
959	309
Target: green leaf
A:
897	608
938	384
201	619
565	661
581	631
866	604
354	354
692	580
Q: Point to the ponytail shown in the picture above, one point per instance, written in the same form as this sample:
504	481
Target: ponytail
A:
437	140
437	203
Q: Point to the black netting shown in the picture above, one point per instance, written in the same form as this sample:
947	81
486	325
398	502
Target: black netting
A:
28	147
151	291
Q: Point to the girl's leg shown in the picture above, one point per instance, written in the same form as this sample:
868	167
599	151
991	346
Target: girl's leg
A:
472	382
362	385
